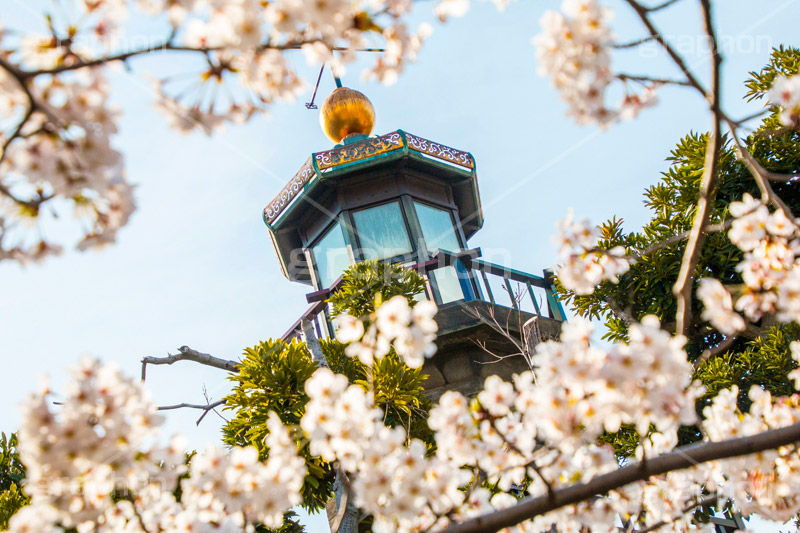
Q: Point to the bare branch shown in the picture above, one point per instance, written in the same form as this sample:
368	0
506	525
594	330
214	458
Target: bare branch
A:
206	408
631	44
679	459
498	358
661	6
619	312
750	117
751	332
760	174
707	193
662	81
495	325
189	354
167	45
715	351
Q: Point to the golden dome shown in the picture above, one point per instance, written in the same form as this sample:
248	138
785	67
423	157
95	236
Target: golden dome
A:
346	112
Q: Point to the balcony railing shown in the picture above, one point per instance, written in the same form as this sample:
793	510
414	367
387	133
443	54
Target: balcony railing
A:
456	277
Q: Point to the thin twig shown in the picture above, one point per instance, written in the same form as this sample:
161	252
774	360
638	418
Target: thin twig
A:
650	79
661	6
631	44
206	408
750	117
495	325
482	345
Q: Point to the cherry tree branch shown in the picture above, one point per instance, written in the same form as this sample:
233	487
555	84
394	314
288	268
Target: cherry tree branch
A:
169	45
710	353
679	459
190	354
707	193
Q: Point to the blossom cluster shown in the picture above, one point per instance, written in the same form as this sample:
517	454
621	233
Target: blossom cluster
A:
412	331
574	49
64	151
583	264
765	483
589	390
95	465
770	269
785	93
393	479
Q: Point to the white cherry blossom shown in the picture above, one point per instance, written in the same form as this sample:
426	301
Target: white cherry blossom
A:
718	307
583	265
785	93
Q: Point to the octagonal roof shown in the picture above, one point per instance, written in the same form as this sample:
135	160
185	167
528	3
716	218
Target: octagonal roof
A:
331	168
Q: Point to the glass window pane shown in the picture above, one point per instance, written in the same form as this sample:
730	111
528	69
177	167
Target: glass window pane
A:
331	256
382	231
447	282
437	228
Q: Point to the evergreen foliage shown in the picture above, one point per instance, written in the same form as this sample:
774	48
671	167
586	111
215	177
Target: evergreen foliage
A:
12	473
365	285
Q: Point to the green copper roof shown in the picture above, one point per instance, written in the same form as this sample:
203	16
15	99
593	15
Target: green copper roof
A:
364	153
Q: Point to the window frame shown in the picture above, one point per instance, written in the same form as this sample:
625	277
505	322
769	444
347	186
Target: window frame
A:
413	251
336	221
454	221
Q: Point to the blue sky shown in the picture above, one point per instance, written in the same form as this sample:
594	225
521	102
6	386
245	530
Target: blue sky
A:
195	265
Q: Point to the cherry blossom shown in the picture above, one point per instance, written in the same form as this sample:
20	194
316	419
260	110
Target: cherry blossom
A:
769	269
786	94
412	331
719	307
574	49
102	442
764	483
583	264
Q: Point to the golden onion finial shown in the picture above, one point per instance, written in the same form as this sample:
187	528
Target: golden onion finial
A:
346	112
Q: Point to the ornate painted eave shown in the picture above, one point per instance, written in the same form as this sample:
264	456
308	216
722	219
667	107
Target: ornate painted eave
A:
370	151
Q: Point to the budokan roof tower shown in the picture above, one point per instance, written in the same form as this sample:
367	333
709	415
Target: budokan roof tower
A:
401	198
